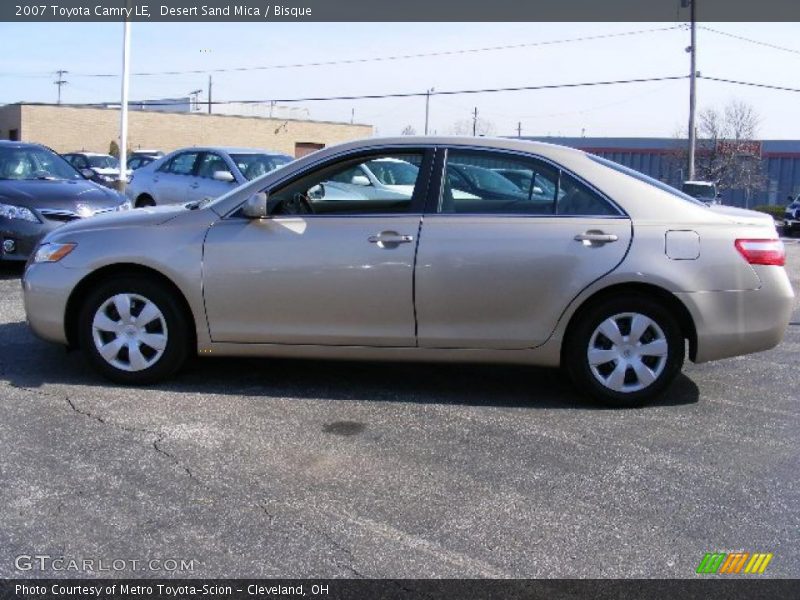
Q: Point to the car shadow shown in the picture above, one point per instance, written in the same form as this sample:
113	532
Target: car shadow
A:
28	362
11	270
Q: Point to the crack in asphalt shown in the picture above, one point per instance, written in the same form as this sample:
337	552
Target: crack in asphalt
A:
160	437
333	543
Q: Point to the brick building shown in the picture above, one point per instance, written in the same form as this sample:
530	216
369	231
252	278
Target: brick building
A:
67	129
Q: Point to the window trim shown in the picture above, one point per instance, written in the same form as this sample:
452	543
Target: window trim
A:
437	183
418	201
199	162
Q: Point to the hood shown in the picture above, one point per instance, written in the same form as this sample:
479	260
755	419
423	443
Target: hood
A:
743	216
57	194
137	217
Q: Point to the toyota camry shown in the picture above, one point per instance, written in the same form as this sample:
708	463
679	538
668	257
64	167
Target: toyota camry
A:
583	263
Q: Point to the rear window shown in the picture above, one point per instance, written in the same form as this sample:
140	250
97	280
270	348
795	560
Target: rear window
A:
645	179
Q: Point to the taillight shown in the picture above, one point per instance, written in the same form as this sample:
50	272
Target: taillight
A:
762	252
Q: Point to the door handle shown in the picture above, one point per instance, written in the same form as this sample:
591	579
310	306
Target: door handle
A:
194	186
390	239
595	237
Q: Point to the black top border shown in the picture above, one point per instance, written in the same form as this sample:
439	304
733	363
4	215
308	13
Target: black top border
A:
397	11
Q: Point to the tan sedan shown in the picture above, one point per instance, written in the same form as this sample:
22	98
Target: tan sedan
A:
577	262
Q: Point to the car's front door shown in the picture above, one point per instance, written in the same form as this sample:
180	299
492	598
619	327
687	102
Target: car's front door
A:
328	268
202	184
497	265
171	181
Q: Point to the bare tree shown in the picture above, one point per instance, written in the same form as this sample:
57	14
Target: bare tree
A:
727	151
408	130
465	127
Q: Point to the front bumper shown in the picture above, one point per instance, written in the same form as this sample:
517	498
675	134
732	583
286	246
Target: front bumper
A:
25	235
46	288
732	323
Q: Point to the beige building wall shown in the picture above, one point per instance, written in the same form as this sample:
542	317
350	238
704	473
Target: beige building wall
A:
67	129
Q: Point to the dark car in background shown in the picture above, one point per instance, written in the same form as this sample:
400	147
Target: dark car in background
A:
39	191
791	218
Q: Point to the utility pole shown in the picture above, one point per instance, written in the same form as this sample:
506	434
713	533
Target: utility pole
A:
519	129
427	107
352	115
122	178
692	88
475	122
209	94
60	81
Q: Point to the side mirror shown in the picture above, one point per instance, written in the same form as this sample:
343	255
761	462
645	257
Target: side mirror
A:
256	206
87	173
360	180
225	176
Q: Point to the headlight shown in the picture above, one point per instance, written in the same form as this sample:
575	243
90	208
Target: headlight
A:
52	252
9	211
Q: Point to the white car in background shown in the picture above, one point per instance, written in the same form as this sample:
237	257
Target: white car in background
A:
100	168
198	174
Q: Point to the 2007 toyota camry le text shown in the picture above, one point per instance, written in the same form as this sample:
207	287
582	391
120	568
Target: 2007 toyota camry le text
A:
446	249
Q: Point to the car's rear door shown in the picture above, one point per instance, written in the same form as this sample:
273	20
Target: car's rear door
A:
342	274
496	270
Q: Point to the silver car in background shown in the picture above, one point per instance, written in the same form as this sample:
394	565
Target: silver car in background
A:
197	174
612	278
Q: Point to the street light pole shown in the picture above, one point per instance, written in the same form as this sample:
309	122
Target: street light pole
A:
692	92
122	178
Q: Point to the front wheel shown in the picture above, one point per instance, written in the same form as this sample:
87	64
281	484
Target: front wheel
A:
132	331
624	351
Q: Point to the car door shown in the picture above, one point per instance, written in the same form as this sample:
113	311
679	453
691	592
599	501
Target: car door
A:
322	269
496	268
203	185
172	179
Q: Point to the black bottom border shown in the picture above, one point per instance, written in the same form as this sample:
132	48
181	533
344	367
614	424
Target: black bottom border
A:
401	589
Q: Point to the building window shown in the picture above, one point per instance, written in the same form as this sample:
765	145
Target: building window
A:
13	135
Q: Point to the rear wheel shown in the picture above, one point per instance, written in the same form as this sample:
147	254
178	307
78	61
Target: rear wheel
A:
132	331
624	351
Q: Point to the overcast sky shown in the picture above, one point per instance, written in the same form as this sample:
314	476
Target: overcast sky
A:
32	52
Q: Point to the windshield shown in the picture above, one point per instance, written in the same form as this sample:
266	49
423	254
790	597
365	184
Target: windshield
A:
34	163
255	165
103	162
393	172
698	190
644	178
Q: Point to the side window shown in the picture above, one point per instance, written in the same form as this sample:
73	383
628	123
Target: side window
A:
478	182
210	164
575	198
345	188
182	164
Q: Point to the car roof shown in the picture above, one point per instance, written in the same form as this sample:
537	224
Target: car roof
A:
231	150
13	144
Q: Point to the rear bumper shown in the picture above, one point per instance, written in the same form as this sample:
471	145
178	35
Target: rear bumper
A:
732	323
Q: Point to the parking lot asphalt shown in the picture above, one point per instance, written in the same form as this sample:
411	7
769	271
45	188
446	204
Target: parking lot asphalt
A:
280	468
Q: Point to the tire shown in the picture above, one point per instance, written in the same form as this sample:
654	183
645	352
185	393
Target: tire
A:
637	370
144	200
162	341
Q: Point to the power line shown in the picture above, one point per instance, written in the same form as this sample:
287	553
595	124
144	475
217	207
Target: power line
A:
554	86
376	58
749	40
767	86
